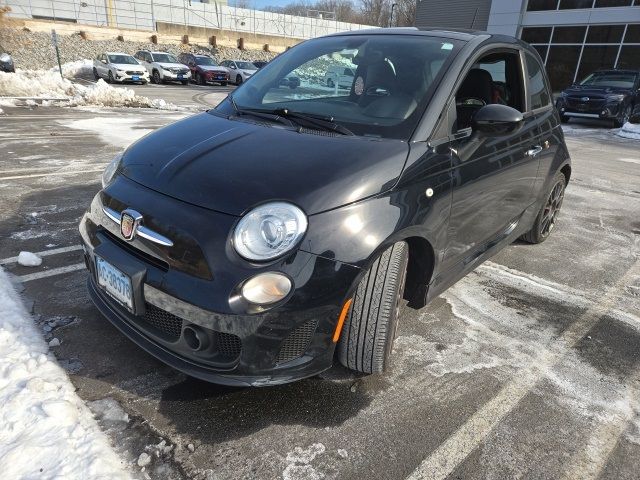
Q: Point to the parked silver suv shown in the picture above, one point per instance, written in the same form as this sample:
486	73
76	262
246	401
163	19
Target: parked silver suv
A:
163	67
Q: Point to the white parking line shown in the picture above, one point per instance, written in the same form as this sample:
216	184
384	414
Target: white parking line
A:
44	253
455	449
52	272
51	174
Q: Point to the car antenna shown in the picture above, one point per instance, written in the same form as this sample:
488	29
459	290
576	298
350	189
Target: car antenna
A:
473	22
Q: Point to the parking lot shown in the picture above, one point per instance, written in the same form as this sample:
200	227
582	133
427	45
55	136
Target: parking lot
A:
527	368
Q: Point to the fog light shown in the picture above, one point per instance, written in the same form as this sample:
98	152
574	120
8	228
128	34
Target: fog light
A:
266	288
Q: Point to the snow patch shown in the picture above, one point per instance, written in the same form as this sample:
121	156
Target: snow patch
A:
630	130
109	410
29	259
144	459
45	84
45	429
117	131
305	455
299	460
79	68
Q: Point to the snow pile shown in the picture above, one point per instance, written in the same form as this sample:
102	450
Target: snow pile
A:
49	84
45	429
79	68
630	130
29	259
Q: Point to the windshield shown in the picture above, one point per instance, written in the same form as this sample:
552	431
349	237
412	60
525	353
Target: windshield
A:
610	79
246	66
164	58
206	61
374	85
124	59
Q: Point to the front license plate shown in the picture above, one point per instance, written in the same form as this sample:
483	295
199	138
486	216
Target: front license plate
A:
114	282
179	76
135	77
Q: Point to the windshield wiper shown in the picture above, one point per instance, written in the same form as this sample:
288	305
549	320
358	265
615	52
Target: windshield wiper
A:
267	115
324	122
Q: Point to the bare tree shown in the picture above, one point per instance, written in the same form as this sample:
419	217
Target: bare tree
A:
404	13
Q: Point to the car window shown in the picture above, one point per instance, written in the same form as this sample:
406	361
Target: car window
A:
164	58
246	65
123	59
610	79
495	79
538	95
206	61
391	83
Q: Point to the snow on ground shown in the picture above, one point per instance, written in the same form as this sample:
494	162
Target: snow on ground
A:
117	131
630	130
79	68
48	84
28	259
46	431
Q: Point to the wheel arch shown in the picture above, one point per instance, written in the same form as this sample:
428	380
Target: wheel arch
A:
566	171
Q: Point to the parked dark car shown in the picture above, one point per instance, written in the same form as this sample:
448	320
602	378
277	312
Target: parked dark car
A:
254	243
290	81
6	62
605	94
204	69
259	64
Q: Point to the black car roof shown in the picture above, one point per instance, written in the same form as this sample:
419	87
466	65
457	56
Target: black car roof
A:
618	70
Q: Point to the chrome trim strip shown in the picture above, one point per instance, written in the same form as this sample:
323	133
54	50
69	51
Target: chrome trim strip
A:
142	231
582	115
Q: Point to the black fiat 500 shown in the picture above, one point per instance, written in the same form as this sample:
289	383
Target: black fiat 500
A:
261	241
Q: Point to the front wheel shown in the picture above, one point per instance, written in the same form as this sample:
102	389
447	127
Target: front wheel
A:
623	117
546	219
238	79
96	76
155	77
369	331
110	77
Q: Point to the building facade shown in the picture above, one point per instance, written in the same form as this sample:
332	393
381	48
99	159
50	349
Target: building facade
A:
573	37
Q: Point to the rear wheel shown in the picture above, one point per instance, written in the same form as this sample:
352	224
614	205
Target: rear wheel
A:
369	331
546	219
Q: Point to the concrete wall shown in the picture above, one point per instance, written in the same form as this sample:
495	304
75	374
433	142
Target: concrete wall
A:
144	14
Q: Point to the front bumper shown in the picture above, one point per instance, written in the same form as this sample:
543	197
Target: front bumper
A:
178	77
595	110
289	342
131	77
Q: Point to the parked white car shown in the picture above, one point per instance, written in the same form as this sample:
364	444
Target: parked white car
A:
342	76
119	67
164	67
239	70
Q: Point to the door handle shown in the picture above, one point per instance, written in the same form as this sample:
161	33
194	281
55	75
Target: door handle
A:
532	152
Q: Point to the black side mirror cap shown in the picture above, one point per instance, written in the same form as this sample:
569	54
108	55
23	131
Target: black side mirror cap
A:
496	119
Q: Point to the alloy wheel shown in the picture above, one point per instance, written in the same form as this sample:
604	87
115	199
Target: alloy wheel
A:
551	209
238	80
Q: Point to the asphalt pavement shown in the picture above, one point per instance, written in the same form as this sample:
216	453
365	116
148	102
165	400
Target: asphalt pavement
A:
527	368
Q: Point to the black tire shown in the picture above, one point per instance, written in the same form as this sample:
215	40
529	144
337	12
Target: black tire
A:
370	328
199	79
110	77
238	79
96	76
547	216
623	118
155	77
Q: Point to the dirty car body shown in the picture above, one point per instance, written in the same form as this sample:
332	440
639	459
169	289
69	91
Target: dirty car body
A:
237	245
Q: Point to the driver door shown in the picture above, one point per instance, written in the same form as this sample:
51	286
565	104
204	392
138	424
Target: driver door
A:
493	176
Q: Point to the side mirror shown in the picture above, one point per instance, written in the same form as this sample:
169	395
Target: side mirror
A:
496	119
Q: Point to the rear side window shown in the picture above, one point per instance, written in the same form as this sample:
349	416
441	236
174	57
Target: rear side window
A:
538	95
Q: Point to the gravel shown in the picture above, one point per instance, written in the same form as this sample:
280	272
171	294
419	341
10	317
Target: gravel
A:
33	50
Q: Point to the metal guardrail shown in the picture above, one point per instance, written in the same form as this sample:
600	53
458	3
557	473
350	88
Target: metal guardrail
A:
145	14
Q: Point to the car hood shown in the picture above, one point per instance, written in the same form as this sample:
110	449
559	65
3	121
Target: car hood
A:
231	166
209	68
128	66
249	72
586	91
172	65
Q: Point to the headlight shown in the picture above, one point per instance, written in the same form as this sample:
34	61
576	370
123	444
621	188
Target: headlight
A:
120	71
615	98
269	231
5	58
111	170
